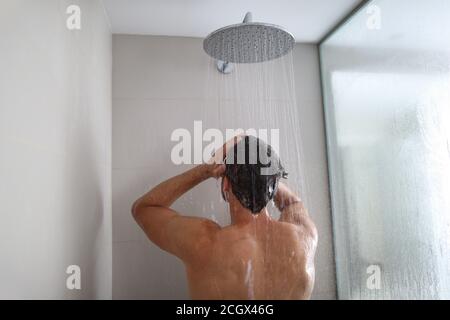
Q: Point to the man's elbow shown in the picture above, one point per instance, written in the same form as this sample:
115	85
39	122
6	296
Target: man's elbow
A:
139	209
136	210
312	230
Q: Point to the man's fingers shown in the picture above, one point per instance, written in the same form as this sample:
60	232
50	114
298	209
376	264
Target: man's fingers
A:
221	153
219	171
229	144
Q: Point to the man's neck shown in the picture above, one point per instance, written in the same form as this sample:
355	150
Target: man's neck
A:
240	215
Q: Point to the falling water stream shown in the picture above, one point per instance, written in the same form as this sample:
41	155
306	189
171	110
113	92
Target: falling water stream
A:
260	99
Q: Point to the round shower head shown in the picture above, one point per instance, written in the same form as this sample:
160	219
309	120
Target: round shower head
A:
248	42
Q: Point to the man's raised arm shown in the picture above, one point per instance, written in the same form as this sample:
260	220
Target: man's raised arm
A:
292	209
177	234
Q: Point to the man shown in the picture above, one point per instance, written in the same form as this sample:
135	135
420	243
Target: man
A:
256	257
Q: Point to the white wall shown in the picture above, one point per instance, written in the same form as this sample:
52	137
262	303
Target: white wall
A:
55	150
159	85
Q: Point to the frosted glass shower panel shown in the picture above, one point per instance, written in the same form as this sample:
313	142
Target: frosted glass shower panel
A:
386	80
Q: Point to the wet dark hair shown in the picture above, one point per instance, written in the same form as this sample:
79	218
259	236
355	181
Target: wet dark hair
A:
254	180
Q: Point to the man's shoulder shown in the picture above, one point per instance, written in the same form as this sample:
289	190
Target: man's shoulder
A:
303	230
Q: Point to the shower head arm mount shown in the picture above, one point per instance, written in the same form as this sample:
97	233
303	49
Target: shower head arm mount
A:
248	17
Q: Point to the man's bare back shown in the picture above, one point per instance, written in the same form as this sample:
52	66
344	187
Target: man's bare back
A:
255	257
264	259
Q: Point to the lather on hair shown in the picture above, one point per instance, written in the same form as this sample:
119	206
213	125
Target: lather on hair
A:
251	187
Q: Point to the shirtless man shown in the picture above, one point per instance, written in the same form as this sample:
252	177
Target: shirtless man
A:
256	257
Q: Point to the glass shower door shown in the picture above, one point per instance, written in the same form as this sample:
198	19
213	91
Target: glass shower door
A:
386	85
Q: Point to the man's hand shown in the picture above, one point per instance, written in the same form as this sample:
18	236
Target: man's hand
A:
216	170
219	155
216	163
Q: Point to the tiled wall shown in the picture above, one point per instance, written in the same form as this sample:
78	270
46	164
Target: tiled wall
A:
159	85
55	150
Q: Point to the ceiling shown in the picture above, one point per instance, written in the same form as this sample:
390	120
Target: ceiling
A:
307	20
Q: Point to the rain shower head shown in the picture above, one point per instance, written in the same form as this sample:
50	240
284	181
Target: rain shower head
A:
248	42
